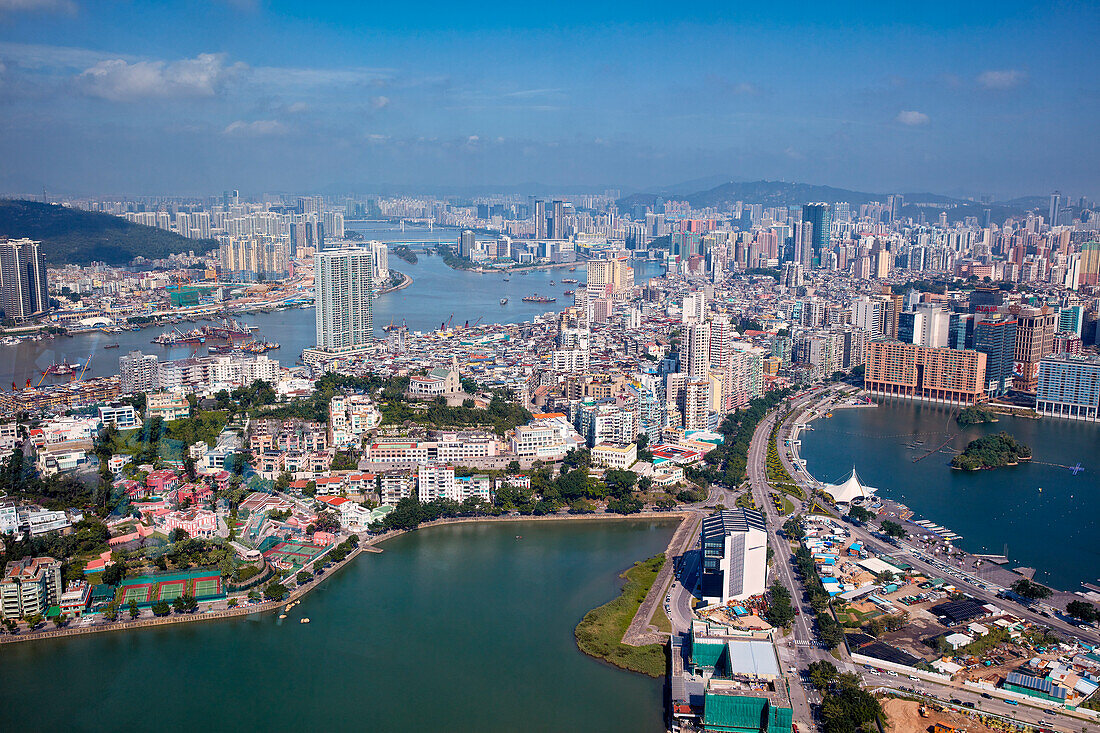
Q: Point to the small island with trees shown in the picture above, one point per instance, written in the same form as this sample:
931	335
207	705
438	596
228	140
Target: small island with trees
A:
975	415
992	451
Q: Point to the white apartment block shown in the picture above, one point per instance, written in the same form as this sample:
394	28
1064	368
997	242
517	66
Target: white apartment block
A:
344	285
435	481
396	487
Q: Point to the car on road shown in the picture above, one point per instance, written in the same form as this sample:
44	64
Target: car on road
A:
1012	702
987	696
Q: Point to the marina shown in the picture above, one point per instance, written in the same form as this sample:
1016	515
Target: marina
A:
978	510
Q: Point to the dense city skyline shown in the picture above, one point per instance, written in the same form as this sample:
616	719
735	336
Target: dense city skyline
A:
133	99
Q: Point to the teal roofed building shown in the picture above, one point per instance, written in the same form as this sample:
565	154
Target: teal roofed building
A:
744	714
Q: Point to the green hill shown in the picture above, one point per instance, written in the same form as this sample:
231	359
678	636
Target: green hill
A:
72	236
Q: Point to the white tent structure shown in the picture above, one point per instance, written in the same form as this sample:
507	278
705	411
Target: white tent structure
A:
851	490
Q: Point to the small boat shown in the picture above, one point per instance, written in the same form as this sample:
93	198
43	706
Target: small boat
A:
304	621
504	301
568	280
111	346
551	282
282	615
572	269
569	292
519	537
62	368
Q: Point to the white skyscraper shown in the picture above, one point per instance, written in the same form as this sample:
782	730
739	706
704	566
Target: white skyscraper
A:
698	351
344	285
695	307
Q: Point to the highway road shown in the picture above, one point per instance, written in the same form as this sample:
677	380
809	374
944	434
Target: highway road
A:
1023	712
923	562
916	557
800	648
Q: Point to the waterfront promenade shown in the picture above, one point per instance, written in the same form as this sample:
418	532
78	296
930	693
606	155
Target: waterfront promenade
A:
369	544
970	573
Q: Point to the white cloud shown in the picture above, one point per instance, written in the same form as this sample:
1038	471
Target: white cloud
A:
912	118
379	102
15	6
256	128
120	81
297	108
1001	79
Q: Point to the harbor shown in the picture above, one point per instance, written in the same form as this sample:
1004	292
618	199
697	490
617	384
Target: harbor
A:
985	512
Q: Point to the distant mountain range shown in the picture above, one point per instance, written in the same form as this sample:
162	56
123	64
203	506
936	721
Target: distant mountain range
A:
77	237
782	193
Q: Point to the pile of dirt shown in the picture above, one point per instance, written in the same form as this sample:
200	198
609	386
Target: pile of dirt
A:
904	717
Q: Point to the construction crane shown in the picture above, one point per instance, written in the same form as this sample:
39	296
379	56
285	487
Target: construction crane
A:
450	320
87	364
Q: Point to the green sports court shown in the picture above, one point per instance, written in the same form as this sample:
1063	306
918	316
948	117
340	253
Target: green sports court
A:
204	585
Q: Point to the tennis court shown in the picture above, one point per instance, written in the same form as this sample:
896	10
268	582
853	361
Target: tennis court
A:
171	590
138	593
147	590
292	553
207	588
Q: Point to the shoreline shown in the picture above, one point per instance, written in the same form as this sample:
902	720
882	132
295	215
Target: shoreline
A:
905	513
406	282
367	545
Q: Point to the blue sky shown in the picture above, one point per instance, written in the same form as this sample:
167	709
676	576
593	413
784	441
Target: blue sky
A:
117	97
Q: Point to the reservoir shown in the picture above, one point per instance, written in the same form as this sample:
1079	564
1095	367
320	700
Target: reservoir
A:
457	628
1056	530
437	294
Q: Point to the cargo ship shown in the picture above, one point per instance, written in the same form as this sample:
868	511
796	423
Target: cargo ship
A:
568	281
536	298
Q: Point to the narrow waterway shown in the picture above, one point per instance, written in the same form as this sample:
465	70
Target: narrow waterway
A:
457	628
437	295
1055	530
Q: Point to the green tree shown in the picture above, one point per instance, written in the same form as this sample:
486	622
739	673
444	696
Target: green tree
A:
619	482
1030	590
1083	610
303	577
185	604
861	514
822	673
114	574
134	609
893	529
626	505
161	608
275	591
793	529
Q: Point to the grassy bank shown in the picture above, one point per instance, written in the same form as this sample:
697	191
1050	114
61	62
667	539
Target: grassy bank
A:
600	632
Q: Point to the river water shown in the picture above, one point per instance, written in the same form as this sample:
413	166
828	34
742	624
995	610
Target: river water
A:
1056	530
454	628
437	293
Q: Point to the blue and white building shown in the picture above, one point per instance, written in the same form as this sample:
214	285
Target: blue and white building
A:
1069	387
